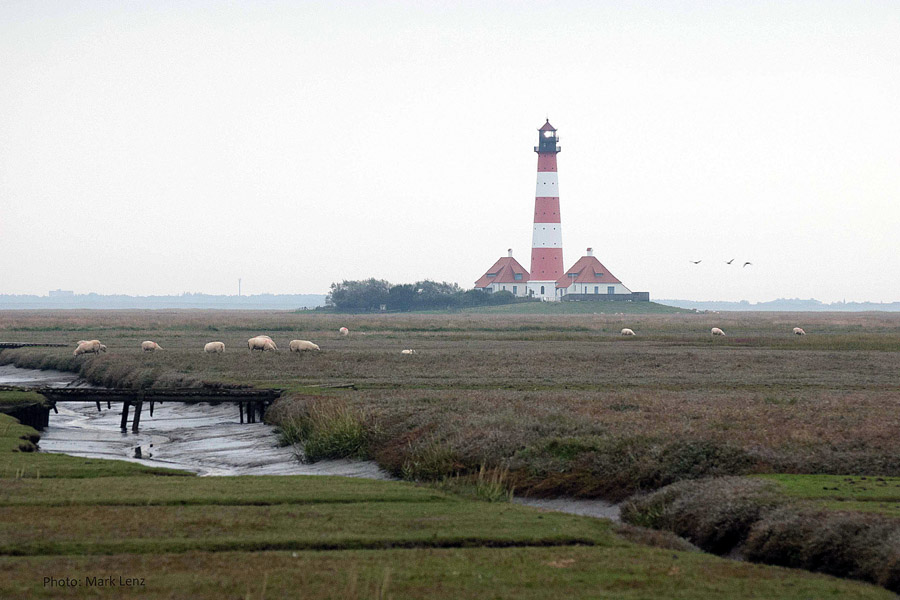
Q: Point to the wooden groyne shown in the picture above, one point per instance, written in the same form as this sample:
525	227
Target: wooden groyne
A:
252	403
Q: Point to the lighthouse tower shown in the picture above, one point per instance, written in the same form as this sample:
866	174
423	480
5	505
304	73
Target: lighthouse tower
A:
546	240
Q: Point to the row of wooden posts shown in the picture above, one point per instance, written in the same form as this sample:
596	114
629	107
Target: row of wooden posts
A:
250	409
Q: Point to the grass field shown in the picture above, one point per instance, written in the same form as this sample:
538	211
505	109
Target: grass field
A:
145	535
558	404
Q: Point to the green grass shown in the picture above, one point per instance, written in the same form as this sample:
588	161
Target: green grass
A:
578	308
838	487
160	529
608	573
19	397
259	490
845	493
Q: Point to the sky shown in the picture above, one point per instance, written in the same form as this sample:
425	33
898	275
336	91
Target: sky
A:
168	147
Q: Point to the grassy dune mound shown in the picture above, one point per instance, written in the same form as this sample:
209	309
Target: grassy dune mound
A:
783	520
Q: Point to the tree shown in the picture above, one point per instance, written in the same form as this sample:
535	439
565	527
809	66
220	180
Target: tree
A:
362	296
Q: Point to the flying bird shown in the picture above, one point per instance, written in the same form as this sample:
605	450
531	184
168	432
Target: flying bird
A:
696	262
729	261
747	263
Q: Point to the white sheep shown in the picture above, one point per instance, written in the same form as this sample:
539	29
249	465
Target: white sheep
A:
262	343
717	331
302	345
408	351
344	331
798	331
149	346
88	347
627	331
214	348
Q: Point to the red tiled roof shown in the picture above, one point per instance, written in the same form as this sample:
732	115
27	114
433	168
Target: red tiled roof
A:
587	270
504	271
547	127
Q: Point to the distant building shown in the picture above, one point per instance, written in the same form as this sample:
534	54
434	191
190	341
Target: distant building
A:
61	293
589	276
507	275
588	279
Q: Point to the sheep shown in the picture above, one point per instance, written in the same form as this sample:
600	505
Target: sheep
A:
408	351
302	345
798	331
344	331
88	347
627	331
149	346
261	343
717	331
214	348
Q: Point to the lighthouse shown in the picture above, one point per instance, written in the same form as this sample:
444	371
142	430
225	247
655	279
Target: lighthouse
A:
546	238
587	280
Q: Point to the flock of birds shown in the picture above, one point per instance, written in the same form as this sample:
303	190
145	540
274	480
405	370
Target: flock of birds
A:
727	262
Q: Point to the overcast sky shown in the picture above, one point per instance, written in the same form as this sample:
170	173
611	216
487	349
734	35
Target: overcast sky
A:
164	147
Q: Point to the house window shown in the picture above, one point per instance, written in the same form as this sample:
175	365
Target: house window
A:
491	274
515	290
542	290
504	288
611	289
596	289
518	277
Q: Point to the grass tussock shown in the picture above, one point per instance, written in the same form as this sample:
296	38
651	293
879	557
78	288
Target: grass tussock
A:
715	514
324	428
860	546
487	484
754	518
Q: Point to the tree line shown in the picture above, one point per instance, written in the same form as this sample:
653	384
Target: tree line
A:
369	295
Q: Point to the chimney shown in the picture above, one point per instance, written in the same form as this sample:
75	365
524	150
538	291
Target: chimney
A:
510	252
590	251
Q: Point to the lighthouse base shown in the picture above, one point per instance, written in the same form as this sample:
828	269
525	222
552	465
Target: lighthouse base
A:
545	290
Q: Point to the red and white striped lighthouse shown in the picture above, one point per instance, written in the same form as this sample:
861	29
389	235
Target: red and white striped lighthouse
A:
546	240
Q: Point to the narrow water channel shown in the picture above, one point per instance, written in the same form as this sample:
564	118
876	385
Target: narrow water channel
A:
206	439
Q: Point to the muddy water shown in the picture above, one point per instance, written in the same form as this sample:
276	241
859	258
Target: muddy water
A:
204	438
10	375
589	508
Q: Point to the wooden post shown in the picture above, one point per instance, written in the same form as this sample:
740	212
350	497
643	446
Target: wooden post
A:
98	406
151	408
241	410
137	413
125	406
